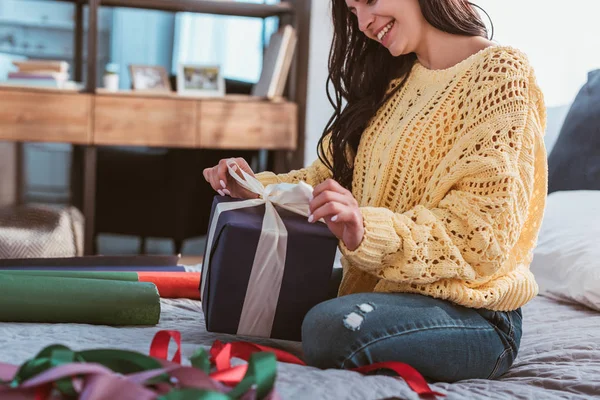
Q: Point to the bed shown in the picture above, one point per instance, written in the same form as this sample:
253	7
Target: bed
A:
559	357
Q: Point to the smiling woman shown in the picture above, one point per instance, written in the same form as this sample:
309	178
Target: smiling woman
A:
362	65
456	17
432	174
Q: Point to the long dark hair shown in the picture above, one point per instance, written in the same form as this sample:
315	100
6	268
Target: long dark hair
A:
361	70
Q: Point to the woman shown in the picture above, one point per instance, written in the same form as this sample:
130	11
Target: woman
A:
433	176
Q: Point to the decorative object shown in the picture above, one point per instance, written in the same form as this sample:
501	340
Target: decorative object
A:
200	80
276	64
574	163
111	77
150	78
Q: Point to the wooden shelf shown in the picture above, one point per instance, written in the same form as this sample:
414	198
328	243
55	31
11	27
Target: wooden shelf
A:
174	95
132	119
233	8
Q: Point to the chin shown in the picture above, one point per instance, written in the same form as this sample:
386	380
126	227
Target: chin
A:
397	52
399	49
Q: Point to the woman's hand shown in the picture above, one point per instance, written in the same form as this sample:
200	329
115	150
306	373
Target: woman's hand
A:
224	184
340	211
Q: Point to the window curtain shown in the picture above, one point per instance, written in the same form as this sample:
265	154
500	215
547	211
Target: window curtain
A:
234	43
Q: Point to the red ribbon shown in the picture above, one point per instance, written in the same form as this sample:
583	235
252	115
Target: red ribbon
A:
231	376
221	355
160	345
410	375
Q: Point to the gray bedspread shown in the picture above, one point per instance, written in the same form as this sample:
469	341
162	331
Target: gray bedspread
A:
559	356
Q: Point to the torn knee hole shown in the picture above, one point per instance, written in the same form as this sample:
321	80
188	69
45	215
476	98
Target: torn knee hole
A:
355	319
366	307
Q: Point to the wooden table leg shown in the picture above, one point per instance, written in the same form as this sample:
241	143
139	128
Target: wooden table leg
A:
9	174
89	198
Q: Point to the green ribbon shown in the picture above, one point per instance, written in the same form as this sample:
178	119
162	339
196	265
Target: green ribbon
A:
200	360
262	371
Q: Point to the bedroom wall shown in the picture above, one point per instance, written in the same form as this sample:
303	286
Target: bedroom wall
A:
562	46
562	42
318	108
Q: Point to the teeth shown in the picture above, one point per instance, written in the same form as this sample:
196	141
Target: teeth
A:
385	30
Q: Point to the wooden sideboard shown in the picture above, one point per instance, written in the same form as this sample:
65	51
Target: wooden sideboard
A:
151	119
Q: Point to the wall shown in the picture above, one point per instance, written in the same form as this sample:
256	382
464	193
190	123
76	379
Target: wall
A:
562	44
561	41
318	108
141	37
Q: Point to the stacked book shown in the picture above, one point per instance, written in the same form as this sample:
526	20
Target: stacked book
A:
45	73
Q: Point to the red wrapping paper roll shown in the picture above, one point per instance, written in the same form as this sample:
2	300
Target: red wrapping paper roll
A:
174	284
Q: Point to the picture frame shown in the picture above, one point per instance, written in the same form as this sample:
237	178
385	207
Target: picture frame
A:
200	80
149	78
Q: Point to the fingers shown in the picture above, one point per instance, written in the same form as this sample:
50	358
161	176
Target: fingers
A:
237	190
223	183
210	177
331	211
244	166
215	181
347	215
329	197
222	173
330	185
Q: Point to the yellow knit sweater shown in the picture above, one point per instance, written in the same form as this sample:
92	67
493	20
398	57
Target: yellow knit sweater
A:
451	177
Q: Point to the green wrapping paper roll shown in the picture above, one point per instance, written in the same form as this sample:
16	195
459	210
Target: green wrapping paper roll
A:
73	300
107	275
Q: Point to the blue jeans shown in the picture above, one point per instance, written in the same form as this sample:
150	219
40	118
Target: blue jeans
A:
444	341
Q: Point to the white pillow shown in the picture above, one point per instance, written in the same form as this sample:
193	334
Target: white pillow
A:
566	262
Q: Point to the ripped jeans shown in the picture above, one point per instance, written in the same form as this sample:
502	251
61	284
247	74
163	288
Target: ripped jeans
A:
444	341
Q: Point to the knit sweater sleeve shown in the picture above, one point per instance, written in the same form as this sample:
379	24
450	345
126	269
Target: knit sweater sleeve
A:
314	174
489	183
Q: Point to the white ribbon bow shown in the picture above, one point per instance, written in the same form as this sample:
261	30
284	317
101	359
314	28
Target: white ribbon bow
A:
262	294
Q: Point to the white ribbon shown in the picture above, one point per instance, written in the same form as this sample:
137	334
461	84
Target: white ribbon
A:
260	303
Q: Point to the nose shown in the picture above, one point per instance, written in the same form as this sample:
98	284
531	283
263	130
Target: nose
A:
365	19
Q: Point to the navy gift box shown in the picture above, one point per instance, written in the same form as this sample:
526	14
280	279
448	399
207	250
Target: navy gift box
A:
310	255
